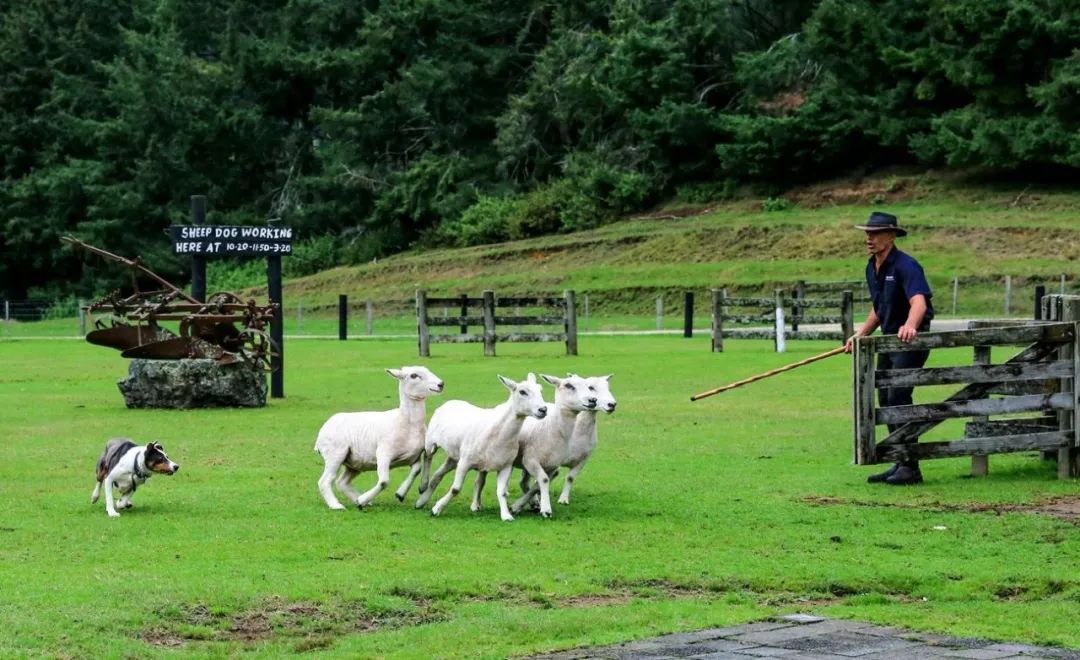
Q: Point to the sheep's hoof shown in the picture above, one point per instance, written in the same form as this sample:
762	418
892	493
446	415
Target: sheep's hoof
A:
337	506
545	514
508	518
562	501
400	497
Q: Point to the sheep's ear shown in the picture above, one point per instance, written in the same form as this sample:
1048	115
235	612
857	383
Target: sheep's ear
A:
608	377
396	373
554	380
506	381
531	378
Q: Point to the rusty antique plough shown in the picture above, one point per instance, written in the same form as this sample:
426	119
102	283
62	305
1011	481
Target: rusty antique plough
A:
224	328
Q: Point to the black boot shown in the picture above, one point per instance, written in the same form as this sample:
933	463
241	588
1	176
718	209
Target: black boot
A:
905	475
882	476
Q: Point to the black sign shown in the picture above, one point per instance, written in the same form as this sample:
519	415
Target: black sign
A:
231	240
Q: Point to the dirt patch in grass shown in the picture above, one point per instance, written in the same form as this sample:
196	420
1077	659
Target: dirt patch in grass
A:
313	624
1065	507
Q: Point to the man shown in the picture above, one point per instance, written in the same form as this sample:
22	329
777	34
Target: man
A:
901	306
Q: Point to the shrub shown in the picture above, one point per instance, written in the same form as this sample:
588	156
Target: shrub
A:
486	221
772	204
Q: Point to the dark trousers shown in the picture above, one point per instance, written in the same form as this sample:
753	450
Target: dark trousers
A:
899	396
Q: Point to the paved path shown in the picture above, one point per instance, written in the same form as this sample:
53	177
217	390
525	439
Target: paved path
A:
806	637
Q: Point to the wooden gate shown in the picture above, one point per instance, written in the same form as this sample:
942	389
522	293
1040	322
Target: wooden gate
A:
1040	379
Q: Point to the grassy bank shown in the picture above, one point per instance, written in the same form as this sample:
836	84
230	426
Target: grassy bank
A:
689	515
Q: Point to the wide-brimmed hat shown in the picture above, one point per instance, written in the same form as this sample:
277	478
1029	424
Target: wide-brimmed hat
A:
880	221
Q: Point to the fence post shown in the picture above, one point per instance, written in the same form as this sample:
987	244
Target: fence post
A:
82	318
778	337
660	312
198	262
1069	420
980	463
847	314
7	308
1008	294
464	312
421	324
570	323
1040	291
718	296
688	314
586	311
863	375
1063	284
369	312
342	317
489	323
299	316
955	286
797	294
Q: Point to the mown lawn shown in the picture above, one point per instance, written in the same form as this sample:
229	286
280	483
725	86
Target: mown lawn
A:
722	511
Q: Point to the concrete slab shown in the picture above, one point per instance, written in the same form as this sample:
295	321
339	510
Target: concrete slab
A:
808	637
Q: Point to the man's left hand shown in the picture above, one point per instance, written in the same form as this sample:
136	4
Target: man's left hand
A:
907	333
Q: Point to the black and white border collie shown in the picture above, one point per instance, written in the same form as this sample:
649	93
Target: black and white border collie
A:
126	466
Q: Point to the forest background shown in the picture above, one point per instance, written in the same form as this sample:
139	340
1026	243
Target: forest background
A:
372	127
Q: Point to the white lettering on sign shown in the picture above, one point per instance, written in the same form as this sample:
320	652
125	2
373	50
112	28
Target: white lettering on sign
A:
240	240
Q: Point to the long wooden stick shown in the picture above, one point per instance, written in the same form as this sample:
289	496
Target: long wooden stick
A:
786	367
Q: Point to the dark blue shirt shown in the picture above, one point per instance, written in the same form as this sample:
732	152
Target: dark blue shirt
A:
892	287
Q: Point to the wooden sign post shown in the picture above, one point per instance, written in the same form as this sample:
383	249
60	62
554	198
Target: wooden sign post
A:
273	241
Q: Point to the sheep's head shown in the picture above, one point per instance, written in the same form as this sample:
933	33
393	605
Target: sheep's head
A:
572	393
417	382
526	397
600	387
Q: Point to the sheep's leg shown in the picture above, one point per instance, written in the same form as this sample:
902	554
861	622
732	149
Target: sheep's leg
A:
447	465
524	480
405	485
478	488
344	483
459	480
382	468
425	468
332	461
544	482
564	497
502	488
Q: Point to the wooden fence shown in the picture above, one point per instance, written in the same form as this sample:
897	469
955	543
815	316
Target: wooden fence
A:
767	310
525	311
1039	379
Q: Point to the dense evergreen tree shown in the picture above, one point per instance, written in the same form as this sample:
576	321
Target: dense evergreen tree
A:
370	126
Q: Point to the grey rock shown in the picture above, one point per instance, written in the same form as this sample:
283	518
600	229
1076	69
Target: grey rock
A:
193	383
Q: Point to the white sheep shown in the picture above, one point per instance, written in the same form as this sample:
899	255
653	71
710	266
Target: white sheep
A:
584	438
545	443
359	441
482	439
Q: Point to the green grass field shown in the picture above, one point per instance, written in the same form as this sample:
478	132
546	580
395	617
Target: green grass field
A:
722	511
